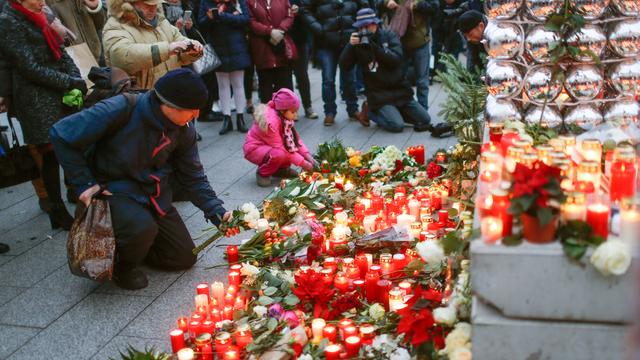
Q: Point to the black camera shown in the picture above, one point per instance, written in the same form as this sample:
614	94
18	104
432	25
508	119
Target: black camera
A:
365	36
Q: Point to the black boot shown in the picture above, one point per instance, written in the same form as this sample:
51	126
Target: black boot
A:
129	277
4	248
59	217
45	205
227	125
240	123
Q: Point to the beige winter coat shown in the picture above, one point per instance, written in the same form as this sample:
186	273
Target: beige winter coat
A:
138	48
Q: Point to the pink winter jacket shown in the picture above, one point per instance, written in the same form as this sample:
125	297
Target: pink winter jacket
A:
266	135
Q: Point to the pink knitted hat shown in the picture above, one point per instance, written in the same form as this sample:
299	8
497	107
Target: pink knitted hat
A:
284	99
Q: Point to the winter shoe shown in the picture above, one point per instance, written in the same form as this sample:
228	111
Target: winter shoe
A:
329	120
227	125
286	173
130	278
263	181
4	248
59	217
310	114
240	124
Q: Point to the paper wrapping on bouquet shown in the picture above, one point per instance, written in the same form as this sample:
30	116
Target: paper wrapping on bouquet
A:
395	236
91	245
281	350
84	60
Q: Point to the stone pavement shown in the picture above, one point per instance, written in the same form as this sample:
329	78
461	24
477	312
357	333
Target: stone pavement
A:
47	313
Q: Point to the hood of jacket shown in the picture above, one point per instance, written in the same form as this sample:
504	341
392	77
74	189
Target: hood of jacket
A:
124	11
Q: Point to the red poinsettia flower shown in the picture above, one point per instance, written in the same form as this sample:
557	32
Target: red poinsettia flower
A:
433	170
312	292
344	303
416	320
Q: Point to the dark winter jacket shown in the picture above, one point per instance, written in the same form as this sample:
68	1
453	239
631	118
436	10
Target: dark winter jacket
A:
331	21
417	34
263	20
385	82
299	30
448	14
226	32
39	80
133	155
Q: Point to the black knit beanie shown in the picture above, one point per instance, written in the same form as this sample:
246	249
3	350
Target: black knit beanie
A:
469	20
182	89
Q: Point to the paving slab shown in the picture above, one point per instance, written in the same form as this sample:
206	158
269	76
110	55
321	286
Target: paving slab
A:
159	281
19	213
35	264
5	259
29	234
85	329
8	293
160	317
120	344
13	337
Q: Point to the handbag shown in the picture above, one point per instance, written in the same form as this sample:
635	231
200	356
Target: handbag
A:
209	60
16	164
290	49
91	246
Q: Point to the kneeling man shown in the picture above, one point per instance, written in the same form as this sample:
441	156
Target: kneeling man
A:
128	148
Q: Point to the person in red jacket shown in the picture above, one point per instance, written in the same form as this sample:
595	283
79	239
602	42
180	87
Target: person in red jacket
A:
272	48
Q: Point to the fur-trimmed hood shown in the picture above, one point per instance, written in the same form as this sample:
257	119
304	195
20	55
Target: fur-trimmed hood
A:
123	11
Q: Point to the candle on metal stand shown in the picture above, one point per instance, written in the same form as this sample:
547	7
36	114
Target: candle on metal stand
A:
177	340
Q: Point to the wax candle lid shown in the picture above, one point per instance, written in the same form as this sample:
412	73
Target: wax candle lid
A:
333	348
398	257
223	336
352	339
176	332
568	139
543	149
502	193
624	153
243	327
203	339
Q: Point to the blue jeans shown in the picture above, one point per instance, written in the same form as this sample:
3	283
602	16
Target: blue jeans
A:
420	58
392	118
328	59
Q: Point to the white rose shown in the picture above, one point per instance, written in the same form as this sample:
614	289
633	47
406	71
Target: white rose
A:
445	315
461	354
342	217
249	270
612	257
305	357
293	210
376	311
456	340
260	310
246	207
465	328
400	354
430	251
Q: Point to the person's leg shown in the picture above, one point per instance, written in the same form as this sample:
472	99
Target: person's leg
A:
421	58
224	89
173	247
206	114
436	48
38	184
283	78
416	114
50	172
348	79
265	85
237	83
328	68
248	87
275	160
300	70
388	118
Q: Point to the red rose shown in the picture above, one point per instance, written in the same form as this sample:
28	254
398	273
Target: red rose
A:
433	170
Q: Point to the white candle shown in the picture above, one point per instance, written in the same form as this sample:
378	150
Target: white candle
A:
405	220
395	299
202	302
217	292
629	225
491	229
414	207
186	354
369	223
574	212
262	225
366	203
317	325
339	232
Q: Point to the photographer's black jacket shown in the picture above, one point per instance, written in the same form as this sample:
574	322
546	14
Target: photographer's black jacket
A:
385	81
331	21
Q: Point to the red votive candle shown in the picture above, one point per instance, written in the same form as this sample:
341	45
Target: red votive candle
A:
362	263
232	254
183	324
349	331
215	315
341	282
234	278
377	203
384	286
243	336
227	313
598	218
177	340
359	285
330	332
222	342
202	289
342	324
330	263
419	154
352	343
232	353
195	328
332	352
229	299
443	216
209	327
371	286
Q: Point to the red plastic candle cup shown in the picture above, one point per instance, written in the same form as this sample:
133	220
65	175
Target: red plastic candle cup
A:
232	353
419	154
377	203
342	324
405	286
183	324
229	299
330	263
227	313
359	285
209	327
401	190
195	328
232	289
177	340
243	336
337	209
330	332
598	218
362	263
371	286
352	344
222	342
239	303
332	352
358	211
623	175
202	289
236	267
197	317
443	216
399	262
350	330
327	276
215	315
232	254
234	278
384	286
341	282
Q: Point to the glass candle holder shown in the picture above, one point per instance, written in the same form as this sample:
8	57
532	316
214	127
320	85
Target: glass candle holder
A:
566	173
496	129
591	150
491	229
524	144
623	174
589	172
629	221
557	144
528	159
544	153
569	143
574	207
514	154
490	167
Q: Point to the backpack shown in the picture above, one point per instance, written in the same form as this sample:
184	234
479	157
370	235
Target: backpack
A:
109	82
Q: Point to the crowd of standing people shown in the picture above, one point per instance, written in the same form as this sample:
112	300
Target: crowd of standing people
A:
271	40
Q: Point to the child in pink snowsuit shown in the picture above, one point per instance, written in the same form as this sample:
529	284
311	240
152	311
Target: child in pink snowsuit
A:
273	143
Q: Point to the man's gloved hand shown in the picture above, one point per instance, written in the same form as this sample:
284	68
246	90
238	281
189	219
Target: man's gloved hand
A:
80	84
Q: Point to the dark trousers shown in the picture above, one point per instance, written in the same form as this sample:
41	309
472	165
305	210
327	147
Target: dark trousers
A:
392	118
272	80
445	42
248	82
300	70
212	87
328	59
143	235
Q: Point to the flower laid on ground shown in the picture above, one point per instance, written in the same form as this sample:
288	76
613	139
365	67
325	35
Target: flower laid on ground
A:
387	159
434	170
431	252
612	257
458	339
445	315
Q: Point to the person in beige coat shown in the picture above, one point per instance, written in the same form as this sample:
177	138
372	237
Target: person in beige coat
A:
138	39
85	19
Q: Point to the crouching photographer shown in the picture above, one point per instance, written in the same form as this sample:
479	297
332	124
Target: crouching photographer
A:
389	94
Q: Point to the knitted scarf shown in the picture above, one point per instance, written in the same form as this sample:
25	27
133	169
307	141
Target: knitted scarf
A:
54	40
401	18
289	140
